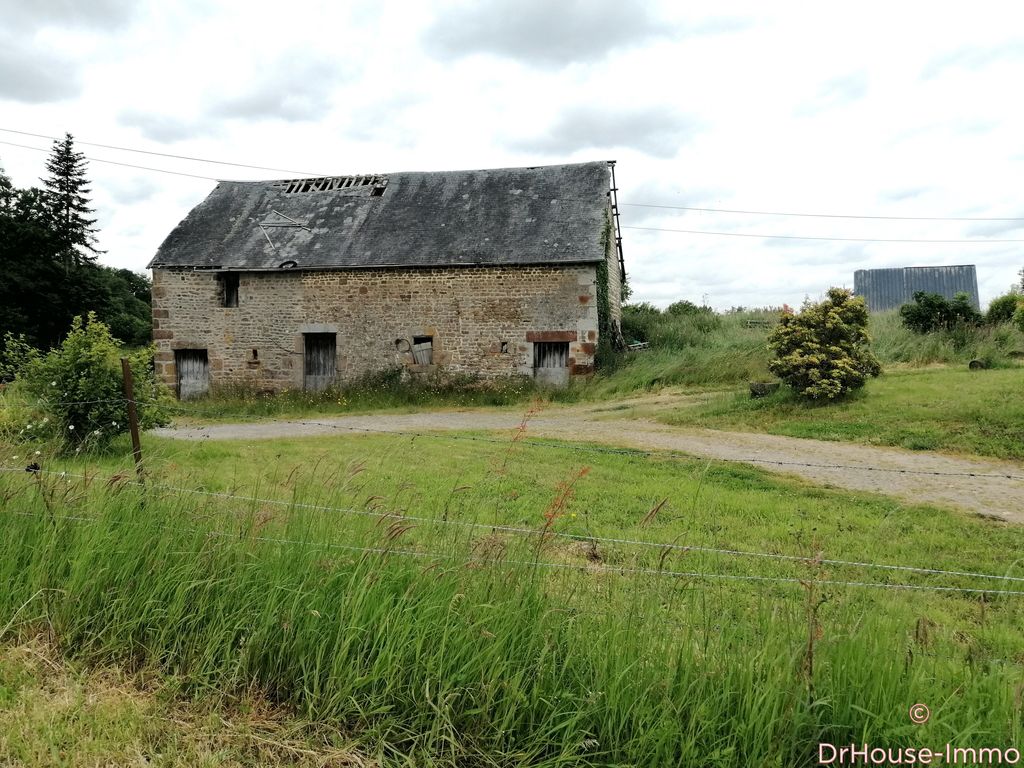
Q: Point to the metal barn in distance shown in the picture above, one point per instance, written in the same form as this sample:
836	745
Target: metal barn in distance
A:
891	288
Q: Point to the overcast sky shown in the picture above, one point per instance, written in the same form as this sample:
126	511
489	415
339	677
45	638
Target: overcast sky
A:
882	109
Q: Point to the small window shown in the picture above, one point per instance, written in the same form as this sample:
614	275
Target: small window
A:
551	354
377	192
423	350
504	347
229	289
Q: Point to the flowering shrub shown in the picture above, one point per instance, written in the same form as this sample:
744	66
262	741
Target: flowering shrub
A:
78	386
823	352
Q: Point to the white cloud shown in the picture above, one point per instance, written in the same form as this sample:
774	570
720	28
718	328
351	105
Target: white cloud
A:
778	107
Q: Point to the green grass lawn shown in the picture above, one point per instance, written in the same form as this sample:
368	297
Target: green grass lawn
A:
936	409
472	645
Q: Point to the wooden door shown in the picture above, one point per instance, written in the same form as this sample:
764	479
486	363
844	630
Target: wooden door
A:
551	362
193	373
319	361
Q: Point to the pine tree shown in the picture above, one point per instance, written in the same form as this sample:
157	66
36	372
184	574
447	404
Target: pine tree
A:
7	193
67	195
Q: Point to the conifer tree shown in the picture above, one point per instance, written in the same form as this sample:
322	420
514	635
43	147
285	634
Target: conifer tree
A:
67	195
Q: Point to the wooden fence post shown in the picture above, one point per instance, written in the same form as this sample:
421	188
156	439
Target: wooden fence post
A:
133	414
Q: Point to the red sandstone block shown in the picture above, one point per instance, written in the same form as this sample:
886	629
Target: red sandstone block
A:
551	335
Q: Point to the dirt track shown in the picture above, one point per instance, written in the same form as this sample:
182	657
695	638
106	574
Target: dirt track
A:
912	476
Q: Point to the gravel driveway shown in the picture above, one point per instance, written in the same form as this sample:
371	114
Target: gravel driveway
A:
912	476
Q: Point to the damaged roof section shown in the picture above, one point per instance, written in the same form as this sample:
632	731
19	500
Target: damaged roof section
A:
541	215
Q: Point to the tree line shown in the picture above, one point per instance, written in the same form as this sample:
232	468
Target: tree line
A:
48	260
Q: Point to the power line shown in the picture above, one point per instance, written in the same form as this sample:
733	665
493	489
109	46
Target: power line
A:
163	154
633	205
833	239
114	162
825	215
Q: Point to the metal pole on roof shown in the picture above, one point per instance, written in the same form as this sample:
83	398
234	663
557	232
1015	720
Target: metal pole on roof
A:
618	227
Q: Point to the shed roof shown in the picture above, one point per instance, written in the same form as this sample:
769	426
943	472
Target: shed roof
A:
540	215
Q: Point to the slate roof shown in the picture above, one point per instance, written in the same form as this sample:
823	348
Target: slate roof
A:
541	215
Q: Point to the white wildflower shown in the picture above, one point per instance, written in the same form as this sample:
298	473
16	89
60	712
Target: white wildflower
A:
53	383
38	452
71	427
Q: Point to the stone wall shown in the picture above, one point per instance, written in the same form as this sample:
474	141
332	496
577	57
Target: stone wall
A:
483	320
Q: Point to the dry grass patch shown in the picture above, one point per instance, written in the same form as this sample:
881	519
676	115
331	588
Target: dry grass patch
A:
53	713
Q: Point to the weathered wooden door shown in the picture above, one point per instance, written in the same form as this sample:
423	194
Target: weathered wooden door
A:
193	370
551	362
319	361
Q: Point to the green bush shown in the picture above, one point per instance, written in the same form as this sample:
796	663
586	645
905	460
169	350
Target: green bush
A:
931	312
1018	318
15	355
1001	309
823	353
638	320
79	387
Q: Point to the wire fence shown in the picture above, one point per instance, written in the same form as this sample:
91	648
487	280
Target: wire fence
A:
590	567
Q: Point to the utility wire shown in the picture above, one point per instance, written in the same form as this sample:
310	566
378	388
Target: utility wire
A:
114	162
831	239
632	205
825	215
162	154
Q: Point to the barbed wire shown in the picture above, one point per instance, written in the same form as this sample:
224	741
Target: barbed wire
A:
587	568
663	546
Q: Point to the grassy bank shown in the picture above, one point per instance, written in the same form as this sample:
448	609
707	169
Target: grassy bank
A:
460	643
935	409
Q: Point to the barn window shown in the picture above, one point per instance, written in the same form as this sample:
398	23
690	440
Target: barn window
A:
423	350
550	354
228	289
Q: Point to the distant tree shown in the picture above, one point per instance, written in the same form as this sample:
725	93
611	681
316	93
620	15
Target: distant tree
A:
1002	308
823	352
684	307
932	312
67	196
7	192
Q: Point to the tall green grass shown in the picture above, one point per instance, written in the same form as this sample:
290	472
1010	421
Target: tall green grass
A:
459	648
704	350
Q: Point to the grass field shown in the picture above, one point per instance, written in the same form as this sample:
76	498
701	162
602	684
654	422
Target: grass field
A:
463	644
446	600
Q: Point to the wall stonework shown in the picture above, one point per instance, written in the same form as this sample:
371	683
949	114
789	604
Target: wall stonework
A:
479	318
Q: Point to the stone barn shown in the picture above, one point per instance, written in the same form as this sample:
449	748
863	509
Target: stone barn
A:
302	283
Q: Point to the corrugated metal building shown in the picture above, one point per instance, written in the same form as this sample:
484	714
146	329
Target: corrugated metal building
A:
890	288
